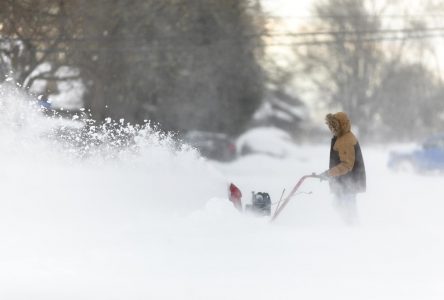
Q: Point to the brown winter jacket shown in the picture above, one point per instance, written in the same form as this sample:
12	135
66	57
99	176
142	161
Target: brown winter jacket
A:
347	168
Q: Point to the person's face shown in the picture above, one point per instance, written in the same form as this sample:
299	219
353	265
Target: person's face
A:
332	128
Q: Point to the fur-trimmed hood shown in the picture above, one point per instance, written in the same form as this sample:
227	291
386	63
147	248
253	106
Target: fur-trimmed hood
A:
346	168
339	123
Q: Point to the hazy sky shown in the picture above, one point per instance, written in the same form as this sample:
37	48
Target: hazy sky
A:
288	7
296	12
302	7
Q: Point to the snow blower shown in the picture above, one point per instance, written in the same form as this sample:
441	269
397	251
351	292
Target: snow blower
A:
261	202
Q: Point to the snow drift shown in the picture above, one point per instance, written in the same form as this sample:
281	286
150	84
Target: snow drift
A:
90	216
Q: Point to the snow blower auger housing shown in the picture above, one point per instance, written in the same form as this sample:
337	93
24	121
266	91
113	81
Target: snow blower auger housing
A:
260	204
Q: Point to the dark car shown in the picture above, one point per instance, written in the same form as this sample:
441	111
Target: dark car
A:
215	146
428	158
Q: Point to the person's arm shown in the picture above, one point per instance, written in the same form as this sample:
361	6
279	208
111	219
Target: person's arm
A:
347	157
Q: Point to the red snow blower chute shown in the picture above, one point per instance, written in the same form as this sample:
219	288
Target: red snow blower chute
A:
261	202
235	196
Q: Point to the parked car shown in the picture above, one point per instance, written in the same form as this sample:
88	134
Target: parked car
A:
270	141
215	146
428	158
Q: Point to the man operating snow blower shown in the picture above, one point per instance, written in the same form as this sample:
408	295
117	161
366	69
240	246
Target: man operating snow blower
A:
346	174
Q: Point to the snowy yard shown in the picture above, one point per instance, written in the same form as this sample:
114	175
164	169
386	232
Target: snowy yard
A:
105	105
157	224
160	226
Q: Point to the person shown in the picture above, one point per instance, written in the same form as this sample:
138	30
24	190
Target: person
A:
346	173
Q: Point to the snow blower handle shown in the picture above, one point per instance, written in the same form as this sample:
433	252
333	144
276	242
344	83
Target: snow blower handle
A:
322	177
288	198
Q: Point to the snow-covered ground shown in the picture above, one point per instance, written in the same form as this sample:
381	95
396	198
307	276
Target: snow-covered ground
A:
157	225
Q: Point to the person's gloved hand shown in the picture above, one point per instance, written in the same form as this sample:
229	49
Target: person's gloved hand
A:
324	176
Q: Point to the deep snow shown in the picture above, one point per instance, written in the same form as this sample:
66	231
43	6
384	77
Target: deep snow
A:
157	224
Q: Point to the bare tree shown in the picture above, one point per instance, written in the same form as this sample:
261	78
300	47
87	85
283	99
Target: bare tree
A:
33	33
345	67
352	70
186	64
410	102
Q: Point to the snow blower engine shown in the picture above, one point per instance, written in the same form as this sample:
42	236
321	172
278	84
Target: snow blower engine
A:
260	204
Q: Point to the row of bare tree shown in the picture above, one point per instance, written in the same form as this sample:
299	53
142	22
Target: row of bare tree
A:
185	64
377	65
199	64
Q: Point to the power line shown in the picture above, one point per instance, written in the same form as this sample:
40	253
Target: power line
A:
145	49
363	40
137	45
368	16
358	32
143	39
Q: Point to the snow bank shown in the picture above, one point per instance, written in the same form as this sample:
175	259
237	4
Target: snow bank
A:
60	211
151	221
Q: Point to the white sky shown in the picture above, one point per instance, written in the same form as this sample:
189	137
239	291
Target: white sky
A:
302	7
295	11
287	7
